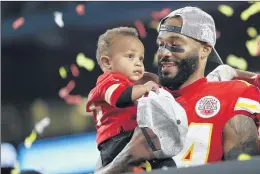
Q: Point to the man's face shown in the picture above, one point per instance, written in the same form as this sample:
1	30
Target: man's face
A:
175	68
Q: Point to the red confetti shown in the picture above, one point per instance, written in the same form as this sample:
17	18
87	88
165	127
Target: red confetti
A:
161	14
70	85
73	99
64	92
18	23
138	169
141	29
218	34
80	9
74	70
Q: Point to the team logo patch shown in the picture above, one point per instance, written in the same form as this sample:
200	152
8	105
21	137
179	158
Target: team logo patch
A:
207	107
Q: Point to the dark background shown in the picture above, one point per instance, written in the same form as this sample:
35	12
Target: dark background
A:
33	54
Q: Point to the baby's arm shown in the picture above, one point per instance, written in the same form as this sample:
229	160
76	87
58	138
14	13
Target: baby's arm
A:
132	93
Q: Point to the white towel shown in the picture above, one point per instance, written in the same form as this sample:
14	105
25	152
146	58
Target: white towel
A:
168	120
222	73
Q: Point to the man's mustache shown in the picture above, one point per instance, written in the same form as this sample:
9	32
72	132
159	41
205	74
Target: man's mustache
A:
167	59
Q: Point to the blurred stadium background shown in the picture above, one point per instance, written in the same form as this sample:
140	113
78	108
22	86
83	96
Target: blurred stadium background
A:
48	50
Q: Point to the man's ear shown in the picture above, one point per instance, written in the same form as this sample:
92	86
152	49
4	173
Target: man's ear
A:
205	51
105	62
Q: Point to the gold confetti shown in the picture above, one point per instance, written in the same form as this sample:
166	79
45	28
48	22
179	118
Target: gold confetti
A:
155	60
63	72
147	166
238	62
226	10
243	157
253	46
16	169
251	31
253	9
85	62
154	24
29	140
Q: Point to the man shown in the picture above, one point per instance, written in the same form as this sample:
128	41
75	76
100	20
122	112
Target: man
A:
220	114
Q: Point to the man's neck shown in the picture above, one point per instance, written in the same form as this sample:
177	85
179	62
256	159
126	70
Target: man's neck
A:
194	77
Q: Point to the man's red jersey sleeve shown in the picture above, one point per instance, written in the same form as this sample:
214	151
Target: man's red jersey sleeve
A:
248	103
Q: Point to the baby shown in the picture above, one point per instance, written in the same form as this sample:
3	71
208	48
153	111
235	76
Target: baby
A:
120	55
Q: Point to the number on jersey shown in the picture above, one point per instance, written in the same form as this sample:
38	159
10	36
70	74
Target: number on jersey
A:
197	145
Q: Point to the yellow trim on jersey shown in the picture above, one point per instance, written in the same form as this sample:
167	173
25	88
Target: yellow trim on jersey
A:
247	104
109	92
248	84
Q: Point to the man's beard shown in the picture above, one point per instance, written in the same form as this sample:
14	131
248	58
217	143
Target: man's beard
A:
186	68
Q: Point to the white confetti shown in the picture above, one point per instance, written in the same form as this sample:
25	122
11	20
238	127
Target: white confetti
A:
58	19
41	125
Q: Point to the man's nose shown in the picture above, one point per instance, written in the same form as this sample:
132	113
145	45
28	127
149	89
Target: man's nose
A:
163	52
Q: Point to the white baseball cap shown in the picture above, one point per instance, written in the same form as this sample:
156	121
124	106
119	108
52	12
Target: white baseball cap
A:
197	24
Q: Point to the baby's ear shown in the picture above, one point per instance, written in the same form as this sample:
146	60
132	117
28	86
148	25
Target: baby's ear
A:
105	62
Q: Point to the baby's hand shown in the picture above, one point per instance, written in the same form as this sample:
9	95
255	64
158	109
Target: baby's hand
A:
151	86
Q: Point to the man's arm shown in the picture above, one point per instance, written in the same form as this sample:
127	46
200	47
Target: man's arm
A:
135	151
240	136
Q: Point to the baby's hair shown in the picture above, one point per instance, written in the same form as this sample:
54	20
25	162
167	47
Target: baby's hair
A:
105	40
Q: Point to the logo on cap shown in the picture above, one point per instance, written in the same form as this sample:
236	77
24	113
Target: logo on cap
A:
207	107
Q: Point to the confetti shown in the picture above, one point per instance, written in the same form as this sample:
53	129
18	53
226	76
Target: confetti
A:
238	62
63	72
18	23
67	89
80	9
154	24
226	10
73	99
253	46
42	124
70	85
58	19
74	70
30	139
85	62
155	60
253	9
218	34
251	31
16	169
141	29
161	14
244	157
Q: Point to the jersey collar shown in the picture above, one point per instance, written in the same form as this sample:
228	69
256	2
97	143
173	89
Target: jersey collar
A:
191	87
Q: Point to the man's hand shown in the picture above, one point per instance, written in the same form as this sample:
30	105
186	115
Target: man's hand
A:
240	136
136	150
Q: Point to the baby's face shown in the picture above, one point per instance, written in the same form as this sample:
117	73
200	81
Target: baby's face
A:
127	56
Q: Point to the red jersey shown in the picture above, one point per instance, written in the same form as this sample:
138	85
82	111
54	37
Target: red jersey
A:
209	106
109	119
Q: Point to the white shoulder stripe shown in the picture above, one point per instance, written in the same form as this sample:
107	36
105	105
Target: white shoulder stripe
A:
109	92
247	104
